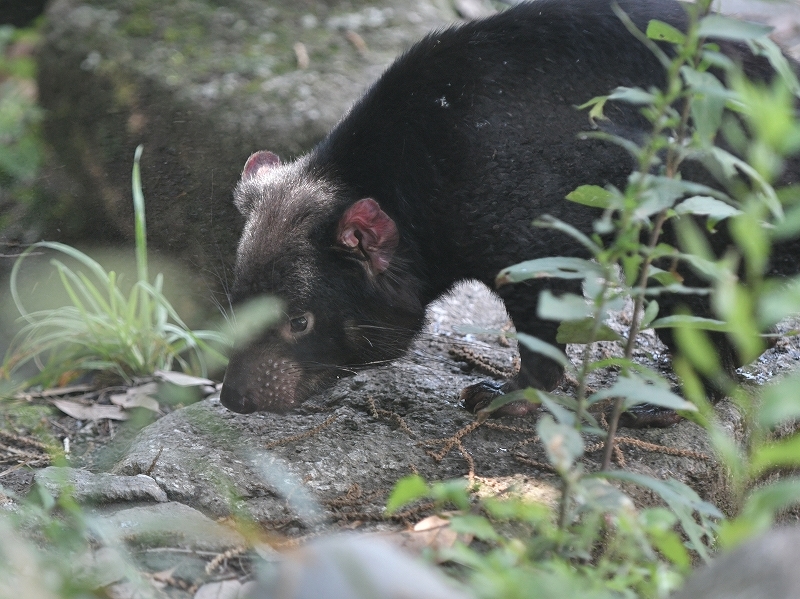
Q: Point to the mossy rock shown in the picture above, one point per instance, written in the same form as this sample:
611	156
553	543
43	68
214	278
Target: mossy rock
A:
201	85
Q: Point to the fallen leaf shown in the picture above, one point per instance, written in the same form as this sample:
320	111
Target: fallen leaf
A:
138	397
164	575
430	523
226	589
80	411
432	532
55	392
181	379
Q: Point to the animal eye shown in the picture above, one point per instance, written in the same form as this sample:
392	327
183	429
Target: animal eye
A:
297	327
299	324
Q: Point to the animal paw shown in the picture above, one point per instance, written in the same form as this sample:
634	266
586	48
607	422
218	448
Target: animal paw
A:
478	397
649	416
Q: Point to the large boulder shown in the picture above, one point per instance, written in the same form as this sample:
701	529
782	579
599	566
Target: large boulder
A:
202	85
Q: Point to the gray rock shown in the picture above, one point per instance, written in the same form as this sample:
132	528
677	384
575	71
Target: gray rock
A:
762	568
169	525
202	86
100	488
353	567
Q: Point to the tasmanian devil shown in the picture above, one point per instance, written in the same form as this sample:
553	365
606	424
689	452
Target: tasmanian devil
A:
433	177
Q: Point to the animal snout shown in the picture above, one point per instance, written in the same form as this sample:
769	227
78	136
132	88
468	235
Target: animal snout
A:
267	383
234	394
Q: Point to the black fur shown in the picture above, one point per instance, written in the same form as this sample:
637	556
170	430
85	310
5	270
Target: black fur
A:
463	142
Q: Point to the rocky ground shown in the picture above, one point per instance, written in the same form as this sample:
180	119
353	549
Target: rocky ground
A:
197	473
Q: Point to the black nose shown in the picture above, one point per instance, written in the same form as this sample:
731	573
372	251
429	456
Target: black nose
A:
232	396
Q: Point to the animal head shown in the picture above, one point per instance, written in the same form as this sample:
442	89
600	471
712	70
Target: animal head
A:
336	263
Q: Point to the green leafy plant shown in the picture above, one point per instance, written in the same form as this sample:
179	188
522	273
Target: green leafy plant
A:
105	329
608	548
686	116
593	542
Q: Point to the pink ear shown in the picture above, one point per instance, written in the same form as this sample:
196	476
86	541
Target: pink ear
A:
366	228
259	162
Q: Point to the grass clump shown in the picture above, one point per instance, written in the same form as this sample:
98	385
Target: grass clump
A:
105	329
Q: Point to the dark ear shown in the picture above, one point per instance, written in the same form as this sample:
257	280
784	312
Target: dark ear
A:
367	230
258	163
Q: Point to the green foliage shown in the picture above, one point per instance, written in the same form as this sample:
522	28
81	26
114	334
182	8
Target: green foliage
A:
105	329
47	551
608	549
21	149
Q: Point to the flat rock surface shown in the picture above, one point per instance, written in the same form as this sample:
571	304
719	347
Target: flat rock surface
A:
100	488
170	524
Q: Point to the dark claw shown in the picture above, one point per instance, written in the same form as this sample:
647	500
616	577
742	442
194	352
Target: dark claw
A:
478	396
649	416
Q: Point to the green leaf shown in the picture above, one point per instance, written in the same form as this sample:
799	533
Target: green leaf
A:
562	443
683	501
789	227
671	546
632	95
549	222
734	302
782	453
542	268
253	317
707	102
752	240
779	62
662	32
727	167
778	303
140	229
727	28
507	398
452	491
580	331
707	206
478	526
689	322
562	415
540	347
570	403
594	196
636	391
780	403
656	194
662	276
759	511
726	448
650	314
602	495
407	490
596	111
695	345
567	306
695	244
735	532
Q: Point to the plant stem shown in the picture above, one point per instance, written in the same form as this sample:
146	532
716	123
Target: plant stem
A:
632	333
586	361
566	491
